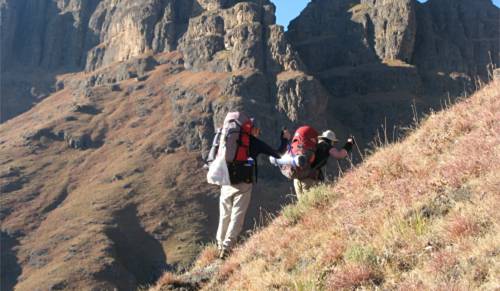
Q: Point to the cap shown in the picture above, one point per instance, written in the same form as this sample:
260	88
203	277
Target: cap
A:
329	135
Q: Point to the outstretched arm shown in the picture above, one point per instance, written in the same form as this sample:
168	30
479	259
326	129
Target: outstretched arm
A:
342	153
338	154
259	147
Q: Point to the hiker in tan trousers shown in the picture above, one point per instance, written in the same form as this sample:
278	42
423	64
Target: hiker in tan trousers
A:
235	198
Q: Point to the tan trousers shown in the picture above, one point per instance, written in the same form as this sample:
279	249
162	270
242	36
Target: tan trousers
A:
233	205
301	186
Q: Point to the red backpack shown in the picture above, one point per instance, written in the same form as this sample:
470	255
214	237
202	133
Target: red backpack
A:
304	143
236	136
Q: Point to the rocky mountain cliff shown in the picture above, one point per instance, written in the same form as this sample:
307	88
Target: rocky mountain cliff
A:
378	57
68	36
102	182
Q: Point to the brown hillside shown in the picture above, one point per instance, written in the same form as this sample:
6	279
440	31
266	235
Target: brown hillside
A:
93	191
421	214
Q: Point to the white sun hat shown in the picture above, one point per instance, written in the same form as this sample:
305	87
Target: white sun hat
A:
329	135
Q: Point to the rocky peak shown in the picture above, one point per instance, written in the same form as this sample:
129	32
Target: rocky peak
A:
353	32
228	39
130	28
452	36
212	35
461	37
52	35
394	26
365	51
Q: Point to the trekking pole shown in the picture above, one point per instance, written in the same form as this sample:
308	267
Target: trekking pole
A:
357	147
341	173
349	158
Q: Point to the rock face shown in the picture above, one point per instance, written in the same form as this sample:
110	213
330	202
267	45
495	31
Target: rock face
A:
231	39
244	40
218	36
395	27
66	36
222	36
367	52
70	35
450	36
458	41
350	33
38	39
130	28
53	35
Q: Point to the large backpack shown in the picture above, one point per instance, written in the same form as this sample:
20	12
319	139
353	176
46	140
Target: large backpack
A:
304	143
212	154
236	137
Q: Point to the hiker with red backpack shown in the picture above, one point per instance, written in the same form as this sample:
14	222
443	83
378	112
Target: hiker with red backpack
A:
235	169
307	155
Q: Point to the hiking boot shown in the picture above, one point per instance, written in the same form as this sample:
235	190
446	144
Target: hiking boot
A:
223	254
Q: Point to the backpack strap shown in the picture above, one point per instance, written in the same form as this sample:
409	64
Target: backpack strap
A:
322	163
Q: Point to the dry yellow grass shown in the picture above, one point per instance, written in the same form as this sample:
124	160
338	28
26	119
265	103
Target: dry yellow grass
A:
166	280
208	256
417	215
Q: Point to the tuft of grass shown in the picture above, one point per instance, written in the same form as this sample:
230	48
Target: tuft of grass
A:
167	279
314	198
416	222
226	270
333	252
292	213
208	255
304	285
461	226
406	227
357	253
353	276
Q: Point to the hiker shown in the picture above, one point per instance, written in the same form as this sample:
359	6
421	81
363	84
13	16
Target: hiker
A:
325	149
307	156
241	145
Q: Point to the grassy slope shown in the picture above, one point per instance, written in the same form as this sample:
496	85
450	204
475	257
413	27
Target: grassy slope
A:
420	214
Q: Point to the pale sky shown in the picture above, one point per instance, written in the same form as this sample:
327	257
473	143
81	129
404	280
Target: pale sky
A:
286	10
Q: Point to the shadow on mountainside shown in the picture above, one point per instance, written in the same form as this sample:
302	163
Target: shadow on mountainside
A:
134	249
32	54
10	268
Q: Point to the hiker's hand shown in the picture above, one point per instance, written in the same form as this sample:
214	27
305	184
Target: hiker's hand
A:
348	145
285	134
272	160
